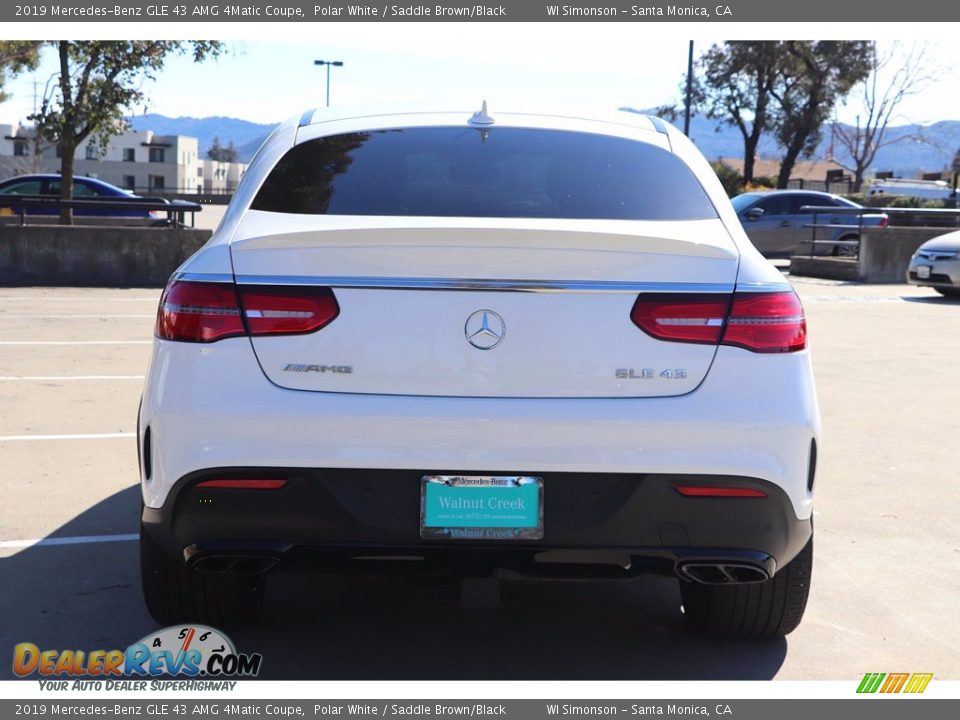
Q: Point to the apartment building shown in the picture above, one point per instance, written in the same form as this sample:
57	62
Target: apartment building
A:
140	161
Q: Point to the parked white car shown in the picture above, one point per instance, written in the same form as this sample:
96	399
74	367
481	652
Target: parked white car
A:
904	187
936	264
493	345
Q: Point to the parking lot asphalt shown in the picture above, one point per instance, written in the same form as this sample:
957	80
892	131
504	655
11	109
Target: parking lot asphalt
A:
885	594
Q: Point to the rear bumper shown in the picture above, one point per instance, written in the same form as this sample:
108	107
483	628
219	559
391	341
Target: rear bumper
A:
599	524
754	416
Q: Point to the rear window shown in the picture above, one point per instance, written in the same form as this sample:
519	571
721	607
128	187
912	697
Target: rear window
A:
495	172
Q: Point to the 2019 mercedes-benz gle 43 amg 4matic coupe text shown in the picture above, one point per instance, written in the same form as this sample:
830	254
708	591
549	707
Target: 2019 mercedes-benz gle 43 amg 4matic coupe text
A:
490	345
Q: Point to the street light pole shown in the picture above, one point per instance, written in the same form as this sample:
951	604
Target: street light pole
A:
689	98
328	63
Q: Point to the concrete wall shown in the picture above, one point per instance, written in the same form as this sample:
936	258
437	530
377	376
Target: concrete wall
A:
886	252
884	256
94	256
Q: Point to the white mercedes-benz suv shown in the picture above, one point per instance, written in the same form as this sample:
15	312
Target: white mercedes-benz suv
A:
491	345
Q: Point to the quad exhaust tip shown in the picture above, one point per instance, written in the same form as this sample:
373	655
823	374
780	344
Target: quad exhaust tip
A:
722	573
235	564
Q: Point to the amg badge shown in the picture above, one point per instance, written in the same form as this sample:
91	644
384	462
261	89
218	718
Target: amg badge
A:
296	367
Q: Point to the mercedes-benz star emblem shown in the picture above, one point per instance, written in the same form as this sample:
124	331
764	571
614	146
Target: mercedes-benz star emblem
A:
484	329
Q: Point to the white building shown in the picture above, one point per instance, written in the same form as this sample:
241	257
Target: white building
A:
140	161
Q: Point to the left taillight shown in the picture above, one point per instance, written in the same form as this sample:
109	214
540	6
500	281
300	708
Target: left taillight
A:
206	312
199	312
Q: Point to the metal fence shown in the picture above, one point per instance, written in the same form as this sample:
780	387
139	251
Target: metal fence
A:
895	217
840	187
176	211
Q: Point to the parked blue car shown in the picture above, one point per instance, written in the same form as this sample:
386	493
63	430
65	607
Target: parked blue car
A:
776	227
83	188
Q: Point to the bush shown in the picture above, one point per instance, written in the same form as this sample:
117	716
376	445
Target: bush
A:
861	199
731	180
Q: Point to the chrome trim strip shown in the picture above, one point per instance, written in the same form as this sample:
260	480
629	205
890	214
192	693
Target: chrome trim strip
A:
759	287
203	277
541	286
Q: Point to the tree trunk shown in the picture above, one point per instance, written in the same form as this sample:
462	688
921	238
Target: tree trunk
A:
786	165
67	142
750	143
66	180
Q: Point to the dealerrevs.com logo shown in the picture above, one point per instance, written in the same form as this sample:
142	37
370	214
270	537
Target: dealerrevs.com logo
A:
888	683
193	651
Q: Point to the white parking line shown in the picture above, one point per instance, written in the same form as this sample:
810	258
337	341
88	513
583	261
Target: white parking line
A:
75	540
854	299
75	342
90	436
4	316
61	298
10	378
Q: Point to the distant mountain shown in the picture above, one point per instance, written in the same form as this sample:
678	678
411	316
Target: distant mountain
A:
932	152
930	148
245	135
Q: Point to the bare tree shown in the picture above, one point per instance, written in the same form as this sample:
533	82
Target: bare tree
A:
881	94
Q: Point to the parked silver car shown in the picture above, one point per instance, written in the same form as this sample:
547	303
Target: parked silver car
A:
775	225
936	264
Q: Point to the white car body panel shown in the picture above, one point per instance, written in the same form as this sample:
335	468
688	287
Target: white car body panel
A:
401	351
212	405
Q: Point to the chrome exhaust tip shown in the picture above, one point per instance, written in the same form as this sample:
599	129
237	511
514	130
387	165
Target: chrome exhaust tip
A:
718	572
235	564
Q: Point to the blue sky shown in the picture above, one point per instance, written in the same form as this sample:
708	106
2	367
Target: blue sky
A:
448	64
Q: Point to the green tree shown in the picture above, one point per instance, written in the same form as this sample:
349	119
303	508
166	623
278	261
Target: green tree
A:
215	152
736	87
220	153
16	56
816	76
99	82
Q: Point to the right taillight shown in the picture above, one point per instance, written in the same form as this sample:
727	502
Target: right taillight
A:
760	322
766	322
206	312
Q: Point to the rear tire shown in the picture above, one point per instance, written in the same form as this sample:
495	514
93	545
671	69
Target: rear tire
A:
175	593
758	610
845	251
948	292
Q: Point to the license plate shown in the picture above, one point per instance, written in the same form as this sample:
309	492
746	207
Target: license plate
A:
481	507
923	271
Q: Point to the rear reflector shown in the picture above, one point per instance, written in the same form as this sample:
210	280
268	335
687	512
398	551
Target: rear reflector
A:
727	492
243	484
207	312
760	322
